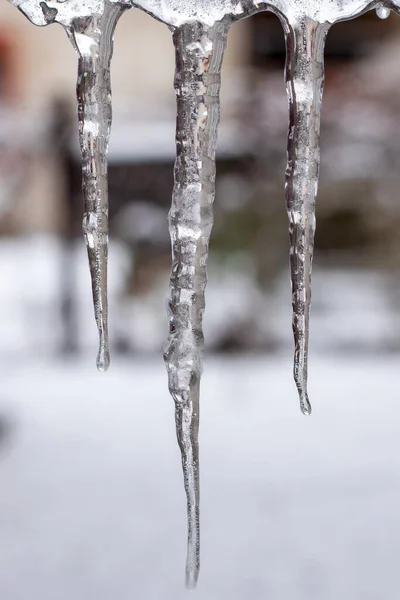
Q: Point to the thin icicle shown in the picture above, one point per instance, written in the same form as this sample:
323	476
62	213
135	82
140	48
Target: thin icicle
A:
304	82
92	36
90	25
199	54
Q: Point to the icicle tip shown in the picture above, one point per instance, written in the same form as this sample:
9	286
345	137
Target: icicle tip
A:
103	360
192	577
305	405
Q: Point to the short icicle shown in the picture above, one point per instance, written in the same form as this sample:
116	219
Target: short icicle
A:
92	37
304	82
199	54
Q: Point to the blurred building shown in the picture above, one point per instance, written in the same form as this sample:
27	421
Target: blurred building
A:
358	208
38	66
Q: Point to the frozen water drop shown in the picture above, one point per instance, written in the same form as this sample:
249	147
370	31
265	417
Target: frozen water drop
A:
103	357
192	578
305	405
383	12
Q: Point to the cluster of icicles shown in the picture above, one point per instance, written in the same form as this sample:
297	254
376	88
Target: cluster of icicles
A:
200	29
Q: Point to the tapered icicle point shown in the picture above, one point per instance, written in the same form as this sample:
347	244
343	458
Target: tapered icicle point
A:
187	429
304	82
92	37
103	356
382	12
199	54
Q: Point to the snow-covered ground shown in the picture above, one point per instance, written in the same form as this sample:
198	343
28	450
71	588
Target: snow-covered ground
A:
293	508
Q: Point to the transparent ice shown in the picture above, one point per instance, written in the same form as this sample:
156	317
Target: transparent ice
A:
90	26
383	12
199	53
200	29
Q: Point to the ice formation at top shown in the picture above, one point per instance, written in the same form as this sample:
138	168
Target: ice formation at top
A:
62	11
176	12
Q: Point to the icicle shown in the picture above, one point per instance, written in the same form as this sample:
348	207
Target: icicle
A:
92	37
90	26
383	12
199	54
304	83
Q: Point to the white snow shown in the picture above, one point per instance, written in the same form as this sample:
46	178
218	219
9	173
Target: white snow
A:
92	502
350	308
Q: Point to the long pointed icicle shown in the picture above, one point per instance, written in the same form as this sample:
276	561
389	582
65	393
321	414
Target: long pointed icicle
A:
304	82
199	54
93	40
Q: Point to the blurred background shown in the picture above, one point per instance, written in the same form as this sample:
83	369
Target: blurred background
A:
91	498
